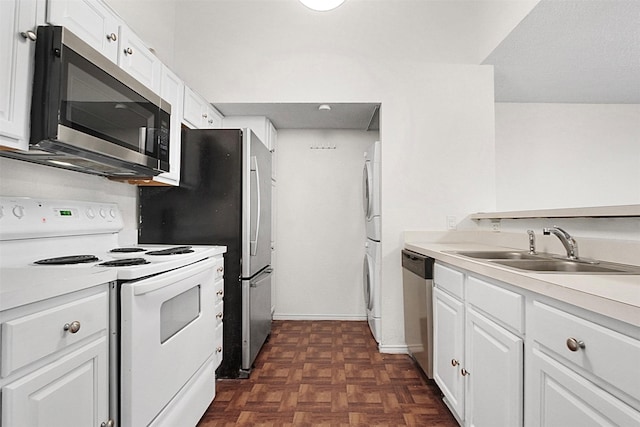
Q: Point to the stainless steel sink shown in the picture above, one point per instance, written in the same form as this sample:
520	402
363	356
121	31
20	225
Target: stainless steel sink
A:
497	254
567	266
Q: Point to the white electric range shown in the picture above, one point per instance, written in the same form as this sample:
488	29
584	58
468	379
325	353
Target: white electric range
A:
162	317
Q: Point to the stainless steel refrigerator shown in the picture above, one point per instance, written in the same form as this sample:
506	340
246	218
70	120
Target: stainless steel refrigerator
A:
224	198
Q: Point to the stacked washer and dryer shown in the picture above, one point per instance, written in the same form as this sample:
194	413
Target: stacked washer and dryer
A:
373	252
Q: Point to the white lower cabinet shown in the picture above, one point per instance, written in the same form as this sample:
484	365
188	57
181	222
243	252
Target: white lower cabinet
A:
478	362
504	356
448	342
580	373
55	361
72	391
494	373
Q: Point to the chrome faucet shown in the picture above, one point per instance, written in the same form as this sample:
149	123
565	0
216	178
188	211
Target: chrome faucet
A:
568	242
532	242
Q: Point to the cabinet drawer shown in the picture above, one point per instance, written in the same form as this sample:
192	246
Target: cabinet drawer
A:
29	338
449	280
502	304
607	354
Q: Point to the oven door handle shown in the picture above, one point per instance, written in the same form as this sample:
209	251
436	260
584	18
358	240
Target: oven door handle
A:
160	281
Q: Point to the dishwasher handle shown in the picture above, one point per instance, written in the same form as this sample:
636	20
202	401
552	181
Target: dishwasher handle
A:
418	264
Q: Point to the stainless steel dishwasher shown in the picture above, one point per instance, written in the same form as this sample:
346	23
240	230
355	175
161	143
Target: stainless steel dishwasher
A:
417	281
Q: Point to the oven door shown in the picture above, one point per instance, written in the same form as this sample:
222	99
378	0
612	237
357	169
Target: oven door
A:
167	333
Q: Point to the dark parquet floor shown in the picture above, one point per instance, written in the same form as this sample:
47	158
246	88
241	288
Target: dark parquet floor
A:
327	373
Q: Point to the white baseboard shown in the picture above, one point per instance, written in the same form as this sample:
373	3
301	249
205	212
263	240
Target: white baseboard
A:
279	316
393	349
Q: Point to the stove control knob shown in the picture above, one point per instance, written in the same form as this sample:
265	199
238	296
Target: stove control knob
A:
18	211
112	213
90	213
103	213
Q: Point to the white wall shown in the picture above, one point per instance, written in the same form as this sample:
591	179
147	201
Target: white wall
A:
567	155
436	120
24	179
320	224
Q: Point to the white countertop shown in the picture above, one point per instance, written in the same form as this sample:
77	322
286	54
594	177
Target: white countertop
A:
24	285
616	296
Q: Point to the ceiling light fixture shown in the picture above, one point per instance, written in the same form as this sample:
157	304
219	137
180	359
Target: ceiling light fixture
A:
322	5
324	107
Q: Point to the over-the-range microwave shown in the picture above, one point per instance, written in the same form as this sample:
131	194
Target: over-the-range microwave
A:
89	115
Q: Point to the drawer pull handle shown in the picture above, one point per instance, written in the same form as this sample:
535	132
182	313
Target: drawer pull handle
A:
574	344
454	362
464	372
72	327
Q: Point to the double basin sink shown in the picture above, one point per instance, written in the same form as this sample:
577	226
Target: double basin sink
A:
547	263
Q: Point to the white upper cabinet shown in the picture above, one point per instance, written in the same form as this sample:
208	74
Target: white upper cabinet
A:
198	113
90	20
171	90
136	59
17	30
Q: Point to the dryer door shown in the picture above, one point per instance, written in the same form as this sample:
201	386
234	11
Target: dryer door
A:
367	274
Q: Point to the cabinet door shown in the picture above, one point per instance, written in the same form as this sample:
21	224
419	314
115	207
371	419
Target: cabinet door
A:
494	373
194	109
90	20
559	397
212	118
171	90
136	59
16	71
448	344
71	392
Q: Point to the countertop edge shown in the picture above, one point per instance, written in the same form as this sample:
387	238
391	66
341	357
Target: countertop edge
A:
545	284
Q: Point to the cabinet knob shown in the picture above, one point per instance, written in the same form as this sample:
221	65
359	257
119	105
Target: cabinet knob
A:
72	327
220	269
220	293
29	35
454	362
574	344
464	372
109	423
205	115
219	350
210	121
112	37
128	51
219	316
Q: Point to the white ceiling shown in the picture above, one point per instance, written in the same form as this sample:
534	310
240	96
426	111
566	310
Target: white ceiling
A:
362	116
573	51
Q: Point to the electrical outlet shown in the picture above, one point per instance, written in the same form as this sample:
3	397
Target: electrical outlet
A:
452	223
495	225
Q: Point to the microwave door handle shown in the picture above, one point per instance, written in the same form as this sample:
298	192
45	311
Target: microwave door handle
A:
254	243
142	139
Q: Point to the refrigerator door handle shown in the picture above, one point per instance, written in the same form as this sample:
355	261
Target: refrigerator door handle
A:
253	246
